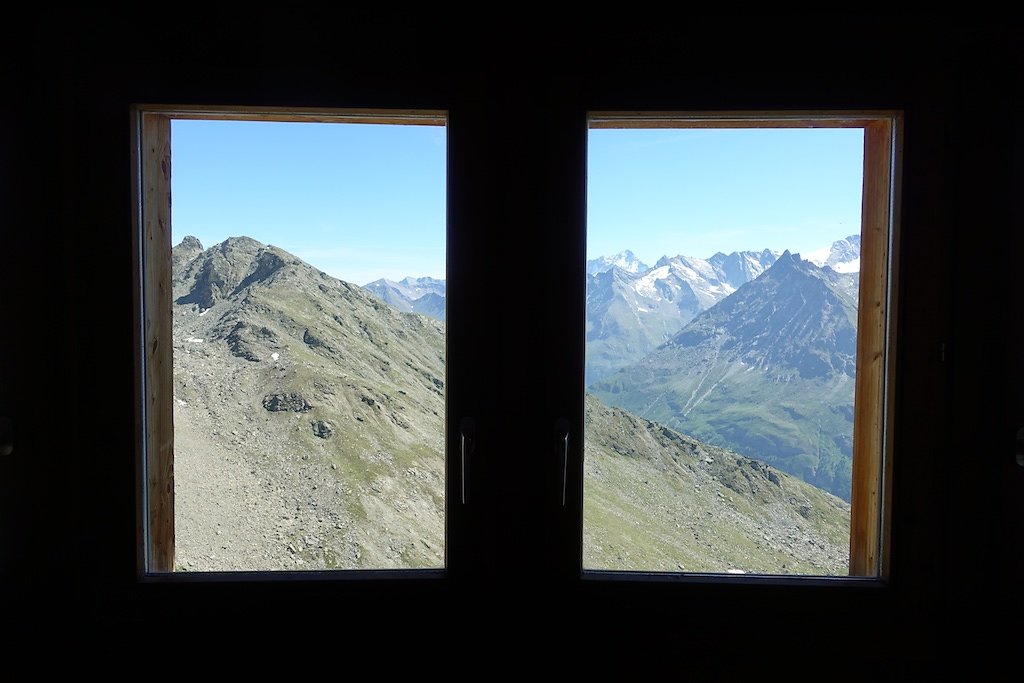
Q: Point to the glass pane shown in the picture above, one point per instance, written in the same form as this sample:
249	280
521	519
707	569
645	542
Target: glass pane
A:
721	335
309	359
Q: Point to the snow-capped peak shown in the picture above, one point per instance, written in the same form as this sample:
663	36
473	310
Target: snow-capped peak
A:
842	256
625	260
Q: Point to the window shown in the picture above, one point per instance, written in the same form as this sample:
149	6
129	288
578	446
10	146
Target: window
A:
473	479
776	363
294	384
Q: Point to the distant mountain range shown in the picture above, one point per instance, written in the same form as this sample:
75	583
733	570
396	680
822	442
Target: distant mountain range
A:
424	295
631	307
631	310
752	351
309	434
629	313
768	371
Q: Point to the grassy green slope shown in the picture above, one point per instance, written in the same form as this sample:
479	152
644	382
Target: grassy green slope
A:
657	500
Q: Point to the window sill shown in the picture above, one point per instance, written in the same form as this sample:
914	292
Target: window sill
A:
597	576
300	576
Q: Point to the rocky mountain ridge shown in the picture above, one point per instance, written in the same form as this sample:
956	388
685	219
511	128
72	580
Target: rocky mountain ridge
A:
309	434
768	371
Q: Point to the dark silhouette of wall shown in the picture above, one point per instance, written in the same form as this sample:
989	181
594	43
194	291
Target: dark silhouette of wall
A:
516	92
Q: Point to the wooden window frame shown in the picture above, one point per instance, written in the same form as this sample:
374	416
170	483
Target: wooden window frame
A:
870	501
873	428
154	366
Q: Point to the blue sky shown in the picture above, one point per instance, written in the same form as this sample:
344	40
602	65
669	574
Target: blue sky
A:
359	201
365	201
694	192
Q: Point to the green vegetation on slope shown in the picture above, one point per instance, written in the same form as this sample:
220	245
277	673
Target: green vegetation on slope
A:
309	435
657	500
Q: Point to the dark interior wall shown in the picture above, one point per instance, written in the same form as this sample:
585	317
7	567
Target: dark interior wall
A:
985	483
517	91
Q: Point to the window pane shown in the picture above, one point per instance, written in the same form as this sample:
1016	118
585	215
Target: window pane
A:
308	322
721	346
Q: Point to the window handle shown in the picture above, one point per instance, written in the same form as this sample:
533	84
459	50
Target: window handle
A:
562	446
6	436
467	442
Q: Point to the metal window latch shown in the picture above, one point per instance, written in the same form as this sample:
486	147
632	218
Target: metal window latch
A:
467	443
562	449
6	436
1020	446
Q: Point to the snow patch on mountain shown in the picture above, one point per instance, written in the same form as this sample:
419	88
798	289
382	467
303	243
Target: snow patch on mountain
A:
646	285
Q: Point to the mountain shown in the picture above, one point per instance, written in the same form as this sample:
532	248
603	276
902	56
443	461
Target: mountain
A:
843	256
631	307
309	434
767	372
740	267
308	415
630	314
624	260
424	295
657	500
